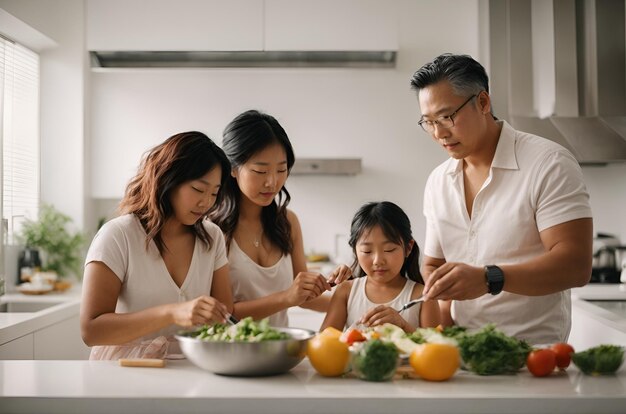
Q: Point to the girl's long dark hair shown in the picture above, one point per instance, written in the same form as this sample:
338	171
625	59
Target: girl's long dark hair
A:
246	135
395	225
180	158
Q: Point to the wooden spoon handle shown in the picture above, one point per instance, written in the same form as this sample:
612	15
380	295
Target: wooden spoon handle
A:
142	362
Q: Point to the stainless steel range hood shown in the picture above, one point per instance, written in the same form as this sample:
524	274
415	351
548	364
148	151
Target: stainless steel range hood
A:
589	116
243	59
592	140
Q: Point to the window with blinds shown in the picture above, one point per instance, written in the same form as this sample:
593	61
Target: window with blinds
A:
19	133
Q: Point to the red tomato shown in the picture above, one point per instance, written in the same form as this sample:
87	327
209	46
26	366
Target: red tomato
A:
541	362
563	353
354	335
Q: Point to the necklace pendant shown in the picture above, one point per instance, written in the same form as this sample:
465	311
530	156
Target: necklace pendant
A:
256	243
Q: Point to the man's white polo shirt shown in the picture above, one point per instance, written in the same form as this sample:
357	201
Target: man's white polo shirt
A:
533	184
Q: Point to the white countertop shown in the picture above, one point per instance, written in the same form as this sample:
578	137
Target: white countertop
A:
601	291
105	387
604	292
14	325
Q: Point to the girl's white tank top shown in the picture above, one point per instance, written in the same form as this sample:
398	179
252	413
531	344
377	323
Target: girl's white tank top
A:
359	303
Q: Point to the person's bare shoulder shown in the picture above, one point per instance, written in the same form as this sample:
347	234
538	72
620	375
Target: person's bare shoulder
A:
418	288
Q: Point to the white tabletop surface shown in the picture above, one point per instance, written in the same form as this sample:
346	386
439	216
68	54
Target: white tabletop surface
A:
106	387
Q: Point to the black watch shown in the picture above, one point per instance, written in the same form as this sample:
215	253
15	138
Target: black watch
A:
495	279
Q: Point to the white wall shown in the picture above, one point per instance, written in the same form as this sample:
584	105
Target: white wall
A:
364	113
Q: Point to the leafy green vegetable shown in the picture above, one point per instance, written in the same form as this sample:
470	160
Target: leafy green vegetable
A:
246	330
602	359
376	361
454	331
416	337
491	352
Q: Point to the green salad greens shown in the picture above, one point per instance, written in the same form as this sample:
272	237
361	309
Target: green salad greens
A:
602	359
491	352
246	330
449	335
376	361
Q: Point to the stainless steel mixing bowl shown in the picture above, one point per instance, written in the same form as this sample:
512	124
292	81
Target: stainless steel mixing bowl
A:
247	359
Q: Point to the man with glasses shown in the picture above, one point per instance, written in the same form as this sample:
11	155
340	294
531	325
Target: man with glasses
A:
509	227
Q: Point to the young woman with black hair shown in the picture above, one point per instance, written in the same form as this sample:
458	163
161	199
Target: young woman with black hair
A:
266	257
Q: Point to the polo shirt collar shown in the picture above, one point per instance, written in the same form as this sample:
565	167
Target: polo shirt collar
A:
505	150
503	158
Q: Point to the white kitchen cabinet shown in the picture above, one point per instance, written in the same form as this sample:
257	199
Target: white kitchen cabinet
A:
166	25
60	341
238	25
20	348
330	25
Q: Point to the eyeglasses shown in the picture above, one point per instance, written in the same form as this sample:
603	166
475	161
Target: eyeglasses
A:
443	121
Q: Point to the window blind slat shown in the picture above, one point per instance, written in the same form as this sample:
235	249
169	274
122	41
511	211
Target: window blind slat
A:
19	129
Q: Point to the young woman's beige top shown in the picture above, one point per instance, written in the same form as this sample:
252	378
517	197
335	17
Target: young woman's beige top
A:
121	245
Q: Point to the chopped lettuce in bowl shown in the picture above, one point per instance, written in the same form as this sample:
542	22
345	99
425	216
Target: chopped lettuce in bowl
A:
246	330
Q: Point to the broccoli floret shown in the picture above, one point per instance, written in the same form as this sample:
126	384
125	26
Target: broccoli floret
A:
491	352
376	361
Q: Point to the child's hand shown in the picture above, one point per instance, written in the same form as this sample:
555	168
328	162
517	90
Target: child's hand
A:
383	314
340	274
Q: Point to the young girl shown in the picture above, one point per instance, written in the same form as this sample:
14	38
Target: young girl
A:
150	271
388	258
265	250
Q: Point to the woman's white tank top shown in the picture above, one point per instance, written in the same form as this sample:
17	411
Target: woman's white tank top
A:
249	280
359	303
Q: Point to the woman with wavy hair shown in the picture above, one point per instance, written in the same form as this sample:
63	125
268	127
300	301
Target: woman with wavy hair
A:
264	240
160	265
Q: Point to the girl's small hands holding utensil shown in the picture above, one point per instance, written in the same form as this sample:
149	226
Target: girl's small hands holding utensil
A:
382	314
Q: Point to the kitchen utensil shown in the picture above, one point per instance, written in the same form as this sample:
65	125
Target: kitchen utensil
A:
607	264
142	362
247	359
411	303
232	320
333	284
606	259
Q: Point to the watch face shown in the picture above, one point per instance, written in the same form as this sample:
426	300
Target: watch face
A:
495	278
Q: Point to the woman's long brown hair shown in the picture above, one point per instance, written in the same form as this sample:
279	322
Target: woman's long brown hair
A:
180	158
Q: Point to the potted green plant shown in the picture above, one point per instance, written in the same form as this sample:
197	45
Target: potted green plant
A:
60	248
